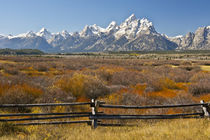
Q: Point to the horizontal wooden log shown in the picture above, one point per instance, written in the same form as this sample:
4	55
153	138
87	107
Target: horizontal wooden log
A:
52	123
42	104
43	118
174	116
149	107
117	125
42	114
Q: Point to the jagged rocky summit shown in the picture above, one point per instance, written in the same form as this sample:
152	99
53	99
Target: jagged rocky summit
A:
131	35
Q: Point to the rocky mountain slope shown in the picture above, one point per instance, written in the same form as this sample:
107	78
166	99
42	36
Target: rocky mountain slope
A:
200	40
131	35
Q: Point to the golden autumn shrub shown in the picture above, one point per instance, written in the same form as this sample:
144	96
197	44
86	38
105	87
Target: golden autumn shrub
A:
158	83
168	83
73	84
20	94
3	88
80	85
106	72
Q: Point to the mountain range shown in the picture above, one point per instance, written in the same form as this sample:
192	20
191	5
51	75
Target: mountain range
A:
131	35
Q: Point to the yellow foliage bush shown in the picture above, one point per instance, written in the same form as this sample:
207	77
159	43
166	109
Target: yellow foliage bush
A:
165	93
106	72
81	86
3	88
74	84
168	83
23	87
138	89
36	92
22	93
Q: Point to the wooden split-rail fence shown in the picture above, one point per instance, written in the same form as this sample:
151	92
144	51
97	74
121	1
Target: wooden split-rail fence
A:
94	116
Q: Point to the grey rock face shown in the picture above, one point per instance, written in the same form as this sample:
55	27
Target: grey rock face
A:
200	40
150	42
131	35
26	43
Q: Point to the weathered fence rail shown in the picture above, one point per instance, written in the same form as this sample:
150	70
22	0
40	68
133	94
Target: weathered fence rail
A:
42	114
150	107
94	117
53	123
41	105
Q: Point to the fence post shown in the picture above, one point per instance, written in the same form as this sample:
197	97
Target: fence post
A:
205	109
94	107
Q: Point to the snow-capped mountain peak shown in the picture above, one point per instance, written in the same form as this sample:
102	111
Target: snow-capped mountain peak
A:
92	30
43	30
86	31
97	29
44	33
146	26
145	23
130	19
112	27
208	27
65	34
29	34
132	34
129	27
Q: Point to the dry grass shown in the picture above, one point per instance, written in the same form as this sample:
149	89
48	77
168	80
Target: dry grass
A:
7	62
205	68
82	78
161	130
116	81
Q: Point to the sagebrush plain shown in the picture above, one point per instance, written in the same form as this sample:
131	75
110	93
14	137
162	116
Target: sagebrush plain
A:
131	79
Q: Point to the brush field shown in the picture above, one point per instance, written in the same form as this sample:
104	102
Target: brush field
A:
131	79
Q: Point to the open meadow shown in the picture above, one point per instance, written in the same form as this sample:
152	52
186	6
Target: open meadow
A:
129	79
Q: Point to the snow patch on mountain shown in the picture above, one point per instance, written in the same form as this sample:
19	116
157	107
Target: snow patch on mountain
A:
131	35
112	27
146	25
132	26
92	30
29	34
128	28
175	37
65	34
44	33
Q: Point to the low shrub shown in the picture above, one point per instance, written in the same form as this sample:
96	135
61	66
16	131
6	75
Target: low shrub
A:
200	88
200	84
42	67
56	94
159	83
180	75
1	66
80	85
7	129
127	78
20	94
191	68
105	73
94	88
10	69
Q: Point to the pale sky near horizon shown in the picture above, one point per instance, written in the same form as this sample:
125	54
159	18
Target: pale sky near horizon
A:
171	17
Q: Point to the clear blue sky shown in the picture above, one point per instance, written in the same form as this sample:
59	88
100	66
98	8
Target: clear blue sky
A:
172	17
